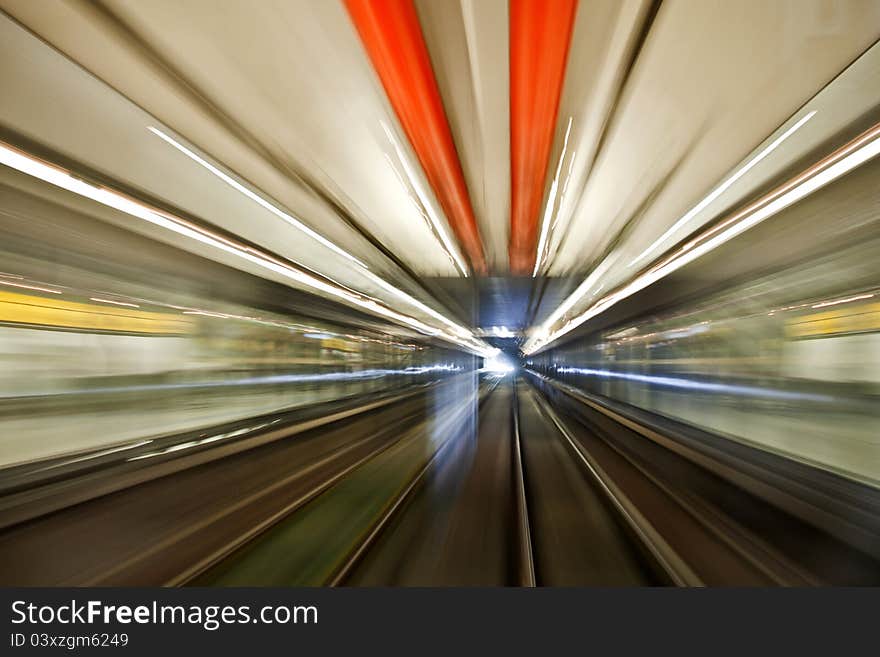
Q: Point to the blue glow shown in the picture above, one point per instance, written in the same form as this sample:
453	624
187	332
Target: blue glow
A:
689	384
258	380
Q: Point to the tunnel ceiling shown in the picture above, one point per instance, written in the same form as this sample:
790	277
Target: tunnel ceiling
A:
433	143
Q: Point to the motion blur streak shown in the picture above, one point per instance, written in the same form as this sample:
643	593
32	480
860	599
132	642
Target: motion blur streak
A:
865	147
305	229
254	197
540	33
393	38
23	309
14	158
724	186
250	336
689	384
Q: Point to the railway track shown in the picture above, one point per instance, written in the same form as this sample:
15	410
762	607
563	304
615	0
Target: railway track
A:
513	510
166	527
507	485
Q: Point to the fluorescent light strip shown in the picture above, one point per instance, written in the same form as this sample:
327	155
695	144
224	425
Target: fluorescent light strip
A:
31	166
448	244
724	186
314	235
551	200
205	313
847	158
31	287
825	304
115	303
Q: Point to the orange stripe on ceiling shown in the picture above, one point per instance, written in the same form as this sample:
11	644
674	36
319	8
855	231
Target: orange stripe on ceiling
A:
393	38
540	34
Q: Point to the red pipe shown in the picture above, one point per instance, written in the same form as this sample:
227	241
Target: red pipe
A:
393	38
540	34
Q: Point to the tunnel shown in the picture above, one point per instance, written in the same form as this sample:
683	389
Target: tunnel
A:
444	293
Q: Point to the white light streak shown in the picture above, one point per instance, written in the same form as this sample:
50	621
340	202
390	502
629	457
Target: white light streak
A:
551	200
448	244
723	187
839	301
115	303
378	280
259	200
20	161
847	158
31	287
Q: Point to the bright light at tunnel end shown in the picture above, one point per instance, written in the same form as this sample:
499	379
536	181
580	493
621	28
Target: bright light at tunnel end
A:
499	364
